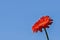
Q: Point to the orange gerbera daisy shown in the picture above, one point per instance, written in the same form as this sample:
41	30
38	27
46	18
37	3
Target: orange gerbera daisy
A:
43	22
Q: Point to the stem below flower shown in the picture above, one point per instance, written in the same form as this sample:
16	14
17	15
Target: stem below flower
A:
46	34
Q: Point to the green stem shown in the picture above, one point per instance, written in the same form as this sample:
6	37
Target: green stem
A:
46	34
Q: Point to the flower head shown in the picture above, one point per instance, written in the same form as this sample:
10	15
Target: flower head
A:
43	22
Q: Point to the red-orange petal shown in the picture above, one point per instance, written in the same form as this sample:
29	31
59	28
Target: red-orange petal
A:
43	22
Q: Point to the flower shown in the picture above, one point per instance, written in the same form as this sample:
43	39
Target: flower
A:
43	22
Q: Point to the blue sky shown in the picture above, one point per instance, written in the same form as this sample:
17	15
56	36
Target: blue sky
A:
18	16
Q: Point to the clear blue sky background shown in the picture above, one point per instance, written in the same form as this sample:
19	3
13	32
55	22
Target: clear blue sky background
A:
18	16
